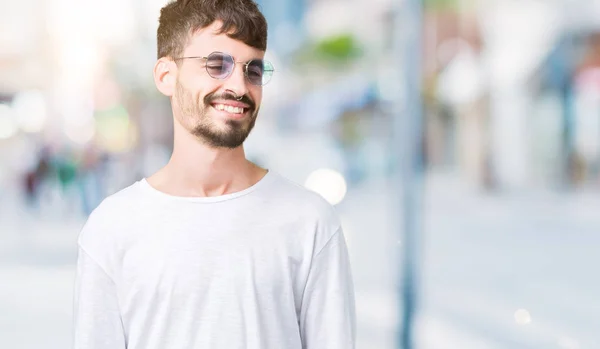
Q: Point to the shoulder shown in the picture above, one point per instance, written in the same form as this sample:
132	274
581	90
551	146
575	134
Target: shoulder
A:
111	213
306	207
304	201
100	236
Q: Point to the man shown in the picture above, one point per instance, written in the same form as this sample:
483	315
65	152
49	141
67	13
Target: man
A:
212	251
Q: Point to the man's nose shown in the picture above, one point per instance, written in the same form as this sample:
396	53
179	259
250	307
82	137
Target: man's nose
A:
237	81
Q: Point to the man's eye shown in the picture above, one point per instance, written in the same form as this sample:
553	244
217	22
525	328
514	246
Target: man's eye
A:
255	72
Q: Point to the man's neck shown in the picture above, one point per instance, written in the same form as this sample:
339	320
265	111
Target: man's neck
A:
197	170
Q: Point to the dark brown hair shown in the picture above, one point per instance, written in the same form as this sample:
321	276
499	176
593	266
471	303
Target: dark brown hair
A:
242	20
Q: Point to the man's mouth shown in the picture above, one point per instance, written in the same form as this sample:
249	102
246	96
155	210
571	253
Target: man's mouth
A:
230	109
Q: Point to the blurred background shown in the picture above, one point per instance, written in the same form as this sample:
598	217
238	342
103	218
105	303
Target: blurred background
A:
504	218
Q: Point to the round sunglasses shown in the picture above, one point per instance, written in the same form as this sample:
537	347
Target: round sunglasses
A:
220	65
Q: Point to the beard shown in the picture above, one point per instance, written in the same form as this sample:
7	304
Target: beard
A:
197	120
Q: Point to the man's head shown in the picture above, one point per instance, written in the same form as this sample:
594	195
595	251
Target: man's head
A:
213	98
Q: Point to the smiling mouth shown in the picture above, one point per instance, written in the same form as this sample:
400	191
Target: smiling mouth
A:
230	109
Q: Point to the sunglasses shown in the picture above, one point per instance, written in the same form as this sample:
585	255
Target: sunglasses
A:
220	65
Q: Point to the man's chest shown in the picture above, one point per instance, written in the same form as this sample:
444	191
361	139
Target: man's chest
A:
185	260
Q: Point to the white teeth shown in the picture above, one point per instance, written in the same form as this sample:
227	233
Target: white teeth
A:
229	109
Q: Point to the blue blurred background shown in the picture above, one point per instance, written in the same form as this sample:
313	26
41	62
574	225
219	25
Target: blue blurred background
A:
507	244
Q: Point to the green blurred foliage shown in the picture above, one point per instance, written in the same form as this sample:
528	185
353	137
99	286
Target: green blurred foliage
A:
445	4
341	47
334	51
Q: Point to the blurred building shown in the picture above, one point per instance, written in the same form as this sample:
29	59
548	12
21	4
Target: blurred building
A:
509	86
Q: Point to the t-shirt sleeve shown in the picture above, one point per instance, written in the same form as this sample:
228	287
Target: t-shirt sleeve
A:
328	317
97	319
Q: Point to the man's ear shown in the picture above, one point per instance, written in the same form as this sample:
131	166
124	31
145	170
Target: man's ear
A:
165	76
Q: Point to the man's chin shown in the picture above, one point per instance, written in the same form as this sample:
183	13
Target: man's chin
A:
228	139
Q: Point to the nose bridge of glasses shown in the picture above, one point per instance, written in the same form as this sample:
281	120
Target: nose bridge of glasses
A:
236	80
243	66
243	69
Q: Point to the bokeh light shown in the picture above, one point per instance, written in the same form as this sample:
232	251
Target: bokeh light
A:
116	133
31	111
522	317
328	183
81	132
8	123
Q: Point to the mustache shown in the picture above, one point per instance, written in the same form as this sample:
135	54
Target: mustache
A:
210	98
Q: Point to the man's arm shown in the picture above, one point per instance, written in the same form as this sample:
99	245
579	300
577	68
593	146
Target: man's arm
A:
97	319
328	318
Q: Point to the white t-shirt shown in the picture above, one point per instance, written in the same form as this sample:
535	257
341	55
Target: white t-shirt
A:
263	268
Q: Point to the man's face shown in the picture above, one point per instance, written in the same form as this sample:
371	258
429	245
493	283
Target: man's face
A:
221	113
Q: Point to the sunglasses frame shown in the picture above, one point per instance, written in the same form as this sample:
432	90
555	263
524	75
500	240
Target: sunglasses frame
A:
246	64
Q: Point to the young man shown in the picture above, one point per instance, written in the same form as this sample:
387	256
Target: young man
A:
212	251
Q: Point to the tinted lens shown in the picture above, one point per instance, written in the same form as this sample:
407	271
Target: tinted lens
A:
259	72
219	65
